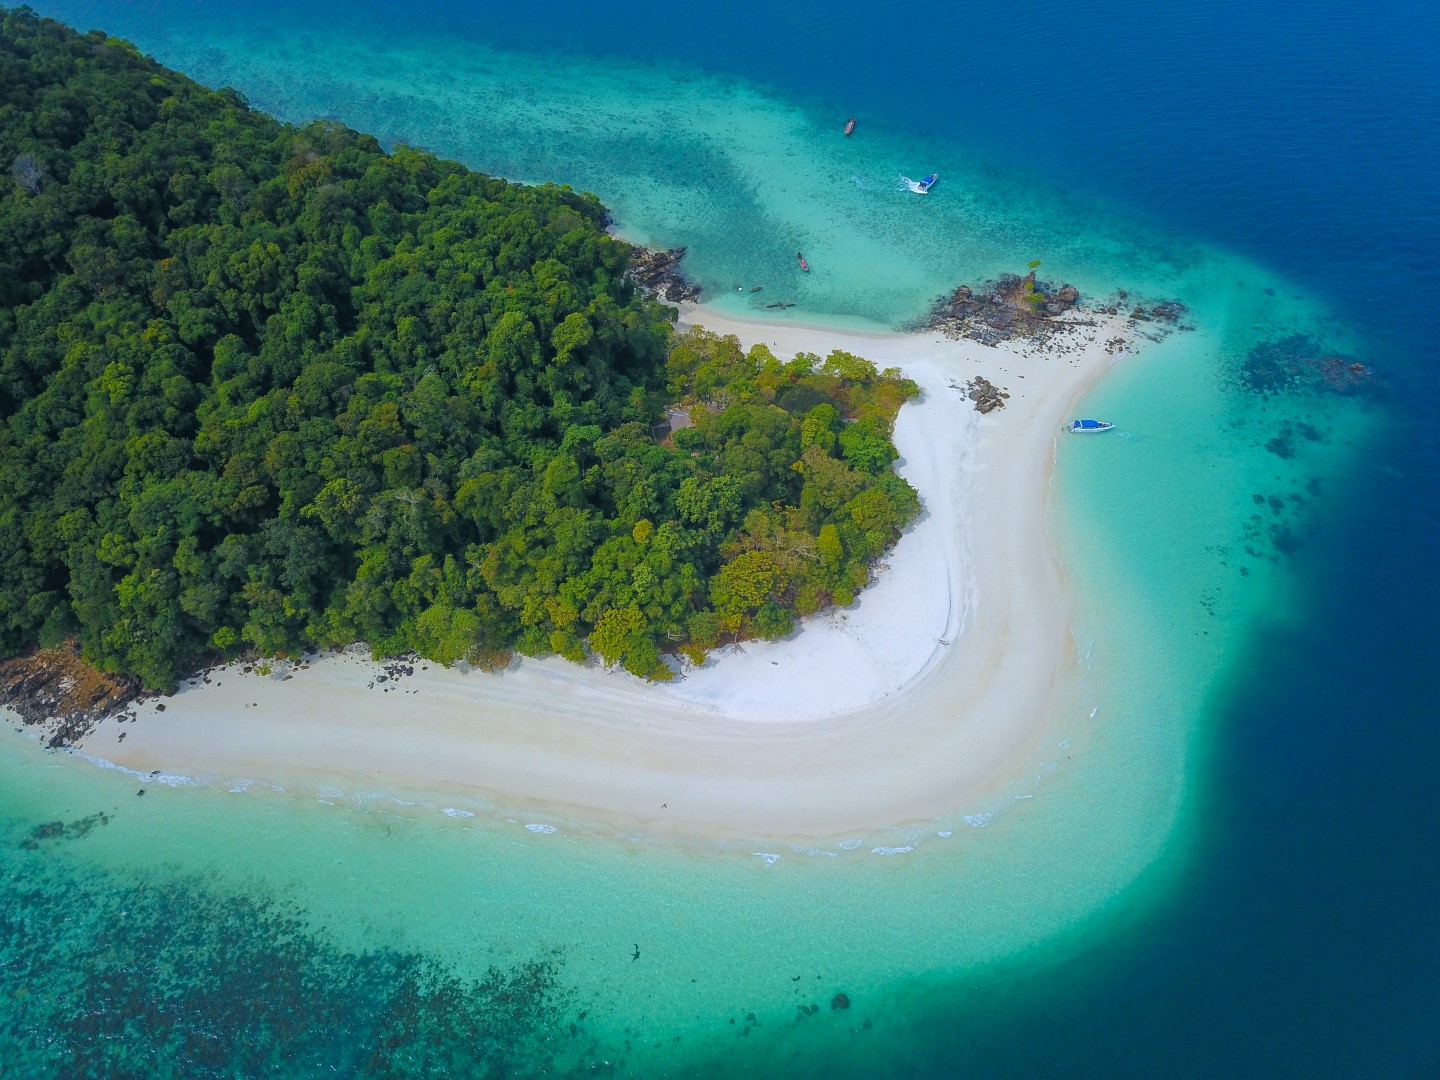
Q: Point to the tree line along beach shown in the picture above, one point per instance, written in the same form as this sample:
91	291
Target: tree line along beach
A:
310	459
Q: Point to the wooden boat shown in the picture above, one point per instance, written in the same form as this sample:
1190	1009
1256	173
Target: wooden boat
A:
803	264
1088	427
850	126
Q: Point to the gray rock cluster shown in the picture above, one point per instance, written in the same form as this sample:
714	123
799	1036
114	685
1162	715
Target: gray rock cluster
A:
1006	309
985	394
658	273
1157	318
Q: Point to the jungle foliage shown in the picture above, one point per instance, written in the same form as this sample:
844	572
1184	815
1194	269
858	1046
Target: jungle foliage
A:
271	388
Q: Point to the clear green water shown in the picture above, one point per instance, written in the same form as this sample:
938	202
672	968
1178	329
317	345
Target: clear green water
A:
1153	524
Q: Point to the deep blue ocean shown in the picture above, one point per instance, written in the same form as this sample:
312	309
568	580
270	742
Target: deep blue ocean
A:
1304	939
1308	136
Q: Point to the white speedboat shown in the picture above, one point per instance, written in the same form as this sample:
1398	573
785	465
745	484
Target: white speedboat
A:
921	187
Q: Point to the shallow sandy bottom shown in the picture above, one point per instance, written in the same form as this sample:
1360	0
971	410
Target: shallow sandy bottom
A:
929	692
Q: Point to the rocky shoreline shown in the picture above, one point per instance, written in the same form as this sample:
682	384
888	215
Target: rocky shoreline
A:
56	691
658	273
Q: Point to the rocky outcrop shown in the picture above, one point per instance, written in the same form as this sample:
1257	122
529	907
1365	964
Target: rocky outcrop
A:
1008	308
658	273
57	691
986	395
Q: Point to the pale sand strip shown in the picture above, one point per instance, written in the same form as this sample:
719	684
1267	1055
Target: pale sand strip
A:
864	719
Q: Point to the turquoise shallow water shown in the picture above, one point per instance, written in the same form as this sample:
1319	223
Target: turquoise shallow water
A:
743	178
1177	533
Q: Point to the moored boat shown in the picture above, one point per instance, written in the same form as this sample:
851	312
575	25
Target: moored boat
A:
803	264
850	126
1088	427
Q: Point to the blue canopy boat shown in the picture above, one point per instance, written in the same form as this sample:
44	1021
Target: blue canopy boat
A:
1086	427
924	185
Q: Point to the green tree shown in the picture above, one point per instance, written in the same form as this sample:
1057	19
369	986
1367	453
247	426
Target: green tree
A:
270	388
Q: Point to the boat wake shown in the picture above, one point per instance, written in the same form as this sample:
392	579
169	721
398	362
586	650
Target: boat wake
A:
919	187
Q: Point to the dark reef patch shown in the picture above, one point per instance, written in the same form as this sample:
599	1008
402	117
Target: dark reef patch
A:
104	977
63	830
1300	364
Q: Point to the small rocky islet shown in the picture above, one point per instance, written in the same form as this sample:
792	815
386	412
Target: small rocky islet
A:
1013	307
1009	308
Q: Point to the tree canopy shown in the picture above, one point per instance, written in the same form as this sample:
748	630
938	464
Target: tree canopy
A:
272	388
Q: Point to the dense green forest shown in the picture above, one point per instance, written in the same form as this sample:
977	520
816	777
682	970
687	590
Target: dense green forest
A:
270	388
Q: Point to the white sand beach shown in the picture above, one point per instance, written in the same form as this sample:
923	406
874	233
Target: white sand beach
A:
927	693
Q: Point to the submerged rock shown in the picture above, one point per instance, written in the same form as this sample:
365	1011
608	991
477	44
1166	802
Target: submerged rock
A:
60	830
1299	364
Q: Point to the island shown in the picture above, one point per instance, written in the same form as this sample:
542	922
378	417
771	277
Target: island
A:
350	469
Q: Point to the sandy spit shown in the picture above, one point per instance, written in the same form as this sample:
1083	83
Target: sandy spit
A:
928	693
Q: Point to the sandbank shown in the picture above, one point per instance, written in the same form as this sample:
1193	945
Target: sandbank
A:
931	691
